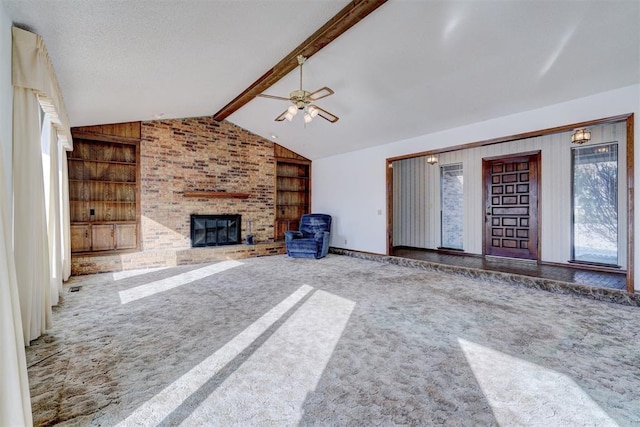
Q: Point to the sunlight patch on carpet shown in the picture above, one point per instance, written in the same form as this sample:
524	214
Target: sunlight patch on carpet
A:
163	285
161	405
523	393
119	275
273	383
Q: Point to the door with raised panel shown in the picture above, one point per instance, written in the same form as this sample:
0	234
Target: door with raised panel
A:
80	237
125	236
511	188
102	237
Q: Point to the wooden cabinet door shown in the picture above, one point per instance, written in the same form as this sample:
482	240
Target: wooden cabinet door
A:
80	238
285	224
102	237
126	236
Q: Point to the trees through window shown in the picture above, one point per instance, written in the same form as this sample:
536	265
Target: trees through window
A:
595	204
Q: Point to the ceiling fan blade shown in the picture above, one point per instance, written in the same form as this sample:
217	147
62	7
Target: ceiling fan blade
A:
320	93
325	114
281	117
264	95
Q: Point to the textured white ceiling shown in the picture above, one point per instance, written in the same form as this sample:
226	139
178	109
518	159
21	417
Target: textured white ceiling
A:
409	68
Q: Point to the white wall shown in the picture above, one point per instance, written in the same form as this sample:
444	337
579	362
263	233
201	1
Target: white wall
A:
352	186
6	95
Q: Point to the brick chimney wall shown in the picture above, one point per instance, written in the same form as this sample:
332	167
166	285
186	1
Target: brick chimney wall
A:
200	154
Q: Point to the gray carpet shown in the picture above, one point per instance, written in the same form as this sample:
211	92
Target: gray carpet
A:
337	341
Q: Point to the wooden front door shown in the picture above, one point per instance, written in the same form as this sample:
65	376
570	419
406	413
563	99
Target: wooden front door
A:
511	206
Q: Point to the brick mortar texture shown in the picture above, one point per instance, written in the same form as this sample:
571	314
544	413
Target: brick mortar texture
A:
195	154
94	263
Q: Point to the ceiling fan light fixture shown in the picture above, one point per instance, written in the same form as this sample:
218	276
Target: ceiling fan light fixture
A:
307	118
301	100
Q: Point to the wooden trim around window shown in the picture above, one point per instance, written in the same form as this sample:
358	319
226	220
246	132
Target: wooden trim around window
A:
389	172
630	207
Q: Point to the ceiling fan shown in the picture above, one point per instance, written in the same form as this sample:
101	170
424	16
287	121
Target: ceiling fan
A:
302	100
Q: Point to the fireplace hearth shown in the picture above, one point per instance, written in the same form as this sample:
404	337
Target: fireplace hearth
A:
215	230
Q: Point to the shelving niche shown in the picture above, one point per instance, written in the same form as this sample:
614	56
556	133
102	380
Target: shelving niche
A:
293	190
103	194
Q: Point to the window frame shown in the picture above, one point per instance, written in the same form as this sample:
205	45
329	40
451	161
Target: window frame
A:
452	167
573	259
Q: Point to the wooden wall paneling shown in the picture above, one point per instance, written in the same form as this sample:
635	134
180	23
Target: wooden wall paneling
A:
75	169
78	211
284	153
76	190
629	124
390	185
125	130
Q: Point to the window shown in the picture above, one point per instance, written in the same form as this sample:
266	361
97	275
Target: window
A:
595	204
451	206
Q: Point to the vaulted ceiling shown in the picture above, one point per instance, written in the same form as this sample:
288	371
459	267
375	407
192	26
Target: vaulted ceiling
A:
407	69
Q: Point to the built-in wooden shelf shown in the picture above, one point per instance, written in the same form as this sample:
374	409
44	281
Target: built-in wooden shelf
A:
216	195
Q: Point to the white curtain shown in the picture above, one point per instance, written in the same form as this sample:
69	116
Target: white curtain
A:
30	237
38	275
26	281
65	218
15	404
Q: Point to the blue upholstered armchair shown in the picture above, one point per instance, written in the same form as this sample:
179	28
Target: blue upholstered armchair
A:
312	238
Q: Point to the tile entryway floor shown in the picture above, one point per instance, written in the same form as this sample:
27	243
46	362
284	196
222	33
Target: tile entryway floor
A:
564	274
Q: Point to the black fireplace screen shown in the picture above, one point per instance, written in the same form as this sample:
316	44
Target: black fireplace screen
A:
215	230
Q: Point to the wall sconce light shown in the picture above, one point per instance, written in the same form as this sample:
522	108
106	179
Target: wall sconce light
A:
580	136
432	159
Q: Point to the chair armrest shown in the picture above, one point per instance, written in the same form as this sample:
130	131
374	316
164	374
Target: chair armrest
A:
290	235
321	235
322	241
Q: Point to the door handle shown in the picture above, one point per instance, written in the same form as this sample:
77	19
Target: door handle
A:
489	210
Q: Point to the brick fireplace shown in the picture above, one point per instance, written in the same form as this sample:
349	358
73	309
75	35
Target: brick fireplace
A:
215	230
182	163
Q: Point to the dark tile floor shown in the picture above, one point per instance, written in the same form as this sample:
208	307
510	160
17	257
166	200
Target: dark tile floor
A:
525	268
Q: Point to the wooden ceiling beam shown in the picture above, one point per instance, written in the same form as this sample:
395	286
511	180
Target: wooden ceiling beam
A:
349	16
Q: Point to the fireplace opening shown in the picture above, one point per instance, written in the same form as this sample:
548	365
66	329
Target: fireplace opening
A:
215	230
